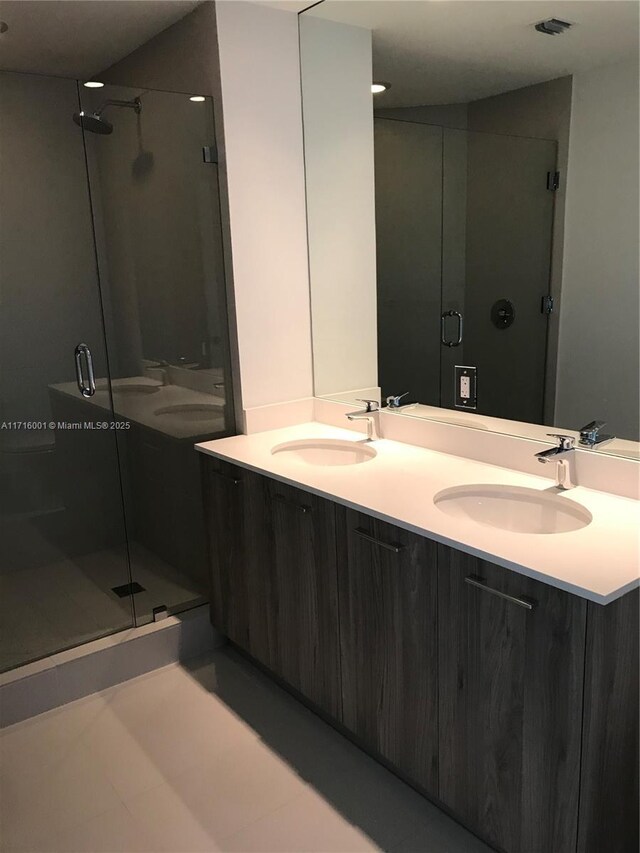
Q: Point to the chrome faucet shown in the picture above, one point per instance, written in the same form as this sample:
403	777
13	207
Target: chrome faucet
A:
368	415
590	434
558	454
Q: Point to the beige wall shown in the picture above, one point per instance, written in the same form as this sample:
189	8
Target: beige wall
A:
260	92
598	372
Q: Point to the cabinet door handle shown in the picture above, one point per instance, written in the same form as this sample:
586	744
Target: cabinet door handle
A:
389	546
295	504
228	477
480	583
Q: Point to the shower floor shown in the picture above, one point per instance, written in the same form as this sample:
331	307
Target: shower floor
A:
50	602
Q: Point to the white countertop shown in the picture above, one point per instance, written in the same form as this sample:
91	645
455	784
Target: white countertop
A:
143	408
599	562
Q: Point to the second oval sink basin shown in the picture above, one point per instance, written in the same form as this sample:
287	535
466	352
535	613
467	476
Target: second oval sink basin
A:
513	508
327	451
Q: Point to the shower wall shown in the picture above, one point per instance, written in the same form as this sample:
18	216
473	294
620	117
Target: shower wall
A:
158	231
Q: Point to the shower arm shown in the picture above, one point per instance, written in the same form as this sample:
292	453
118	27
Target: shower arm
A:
135	104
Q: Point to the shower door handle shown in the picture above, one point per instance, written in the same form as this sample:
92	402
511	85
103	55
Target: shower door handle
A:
87	387
458	339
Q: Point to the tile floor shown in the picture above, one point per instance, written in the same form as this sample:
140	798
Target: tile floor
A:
206	756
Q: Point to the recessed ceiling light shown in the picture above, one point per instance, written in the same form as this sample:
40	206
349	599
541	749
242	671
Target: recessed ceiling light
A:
197	98
93	84
376	88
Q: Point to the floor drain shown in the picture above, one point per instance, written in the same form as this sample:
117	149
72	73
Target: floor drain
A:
128	589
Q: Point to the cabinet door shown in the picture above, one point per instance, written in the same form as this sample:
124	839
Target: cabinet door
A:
305	617
511	678
388	630
236	505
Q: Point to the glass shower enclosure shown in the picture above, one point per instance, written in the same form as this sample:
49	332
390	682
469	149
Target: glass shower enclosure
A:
114	357
464	224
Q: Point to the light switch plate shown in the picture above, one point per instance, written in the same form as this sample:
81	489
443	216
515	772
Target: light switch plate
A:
465	391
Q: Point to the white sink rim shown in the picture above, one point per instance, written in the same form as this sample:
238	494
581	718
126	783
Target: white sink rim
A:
513	509
134	388
327	452
190	412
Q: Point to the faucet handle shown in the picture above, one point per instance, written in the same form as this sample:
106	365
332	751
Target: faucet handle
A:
589	432
372	405
393	400
565	442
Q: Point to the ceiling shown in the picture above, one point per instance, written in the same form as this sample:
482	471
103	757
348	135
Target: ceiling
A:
456	51
78	38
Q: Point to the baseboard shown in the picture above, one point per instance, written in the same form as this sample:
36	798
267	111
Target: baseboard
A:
66	676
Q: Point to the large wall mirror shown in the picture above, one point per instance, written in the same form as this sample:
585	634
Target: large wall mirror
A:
473	224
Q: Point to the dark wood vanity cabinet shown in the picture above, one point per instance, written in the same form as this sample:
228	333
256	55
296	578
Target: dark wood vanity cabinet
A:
273	577
609	795
238	528
511	680
388	638
511	702
304	601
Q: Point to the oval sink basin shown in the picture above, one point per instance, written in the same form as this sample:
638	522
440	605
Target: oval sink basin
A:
327	451
190	412
513	508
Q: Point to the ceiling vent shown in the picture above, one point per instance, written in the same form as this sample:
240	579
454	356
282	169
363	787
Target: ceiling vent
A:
552	27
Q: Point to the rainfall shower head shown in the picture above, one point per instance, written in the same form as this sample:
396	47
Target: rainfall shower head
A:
95	123
92	122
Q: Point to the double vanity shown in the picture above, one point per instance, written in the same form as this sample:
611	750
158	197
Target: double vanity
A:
472	627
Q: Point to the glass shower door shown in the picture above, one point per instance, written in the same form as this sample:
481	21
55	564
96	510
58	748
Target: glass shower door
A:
498	220
155	201
64	571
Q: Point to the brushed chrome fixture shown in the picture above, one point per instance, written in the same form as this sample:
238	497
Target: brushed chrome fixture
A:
565	446
393	401
94	121
590	435
368	415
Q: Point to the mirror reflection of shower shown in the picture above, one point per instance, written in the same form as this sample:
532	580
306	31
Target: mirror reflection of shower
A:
95	123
